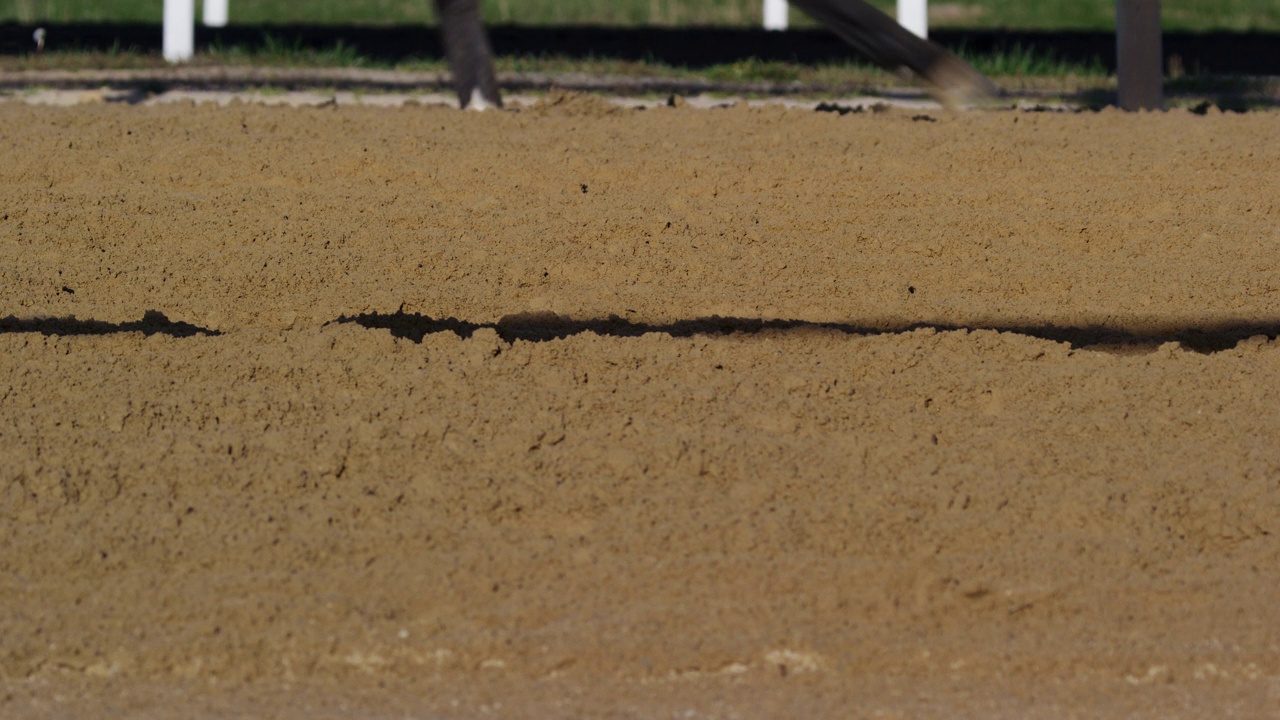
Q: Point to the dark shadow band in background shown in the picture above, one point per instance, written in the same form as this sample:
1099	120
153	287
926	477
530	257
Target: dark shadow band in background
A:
1229	53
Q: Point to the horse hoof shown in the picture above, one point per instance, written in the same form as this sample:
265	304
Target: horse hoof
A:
957	85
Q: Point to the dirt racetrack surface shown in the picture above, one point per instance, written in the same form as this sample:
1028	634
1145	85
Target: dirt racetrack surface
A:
579	411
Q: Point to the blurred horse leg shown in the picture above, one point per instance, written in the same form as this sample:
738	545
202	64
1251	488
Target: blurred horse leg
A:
883	41
466	44
872	33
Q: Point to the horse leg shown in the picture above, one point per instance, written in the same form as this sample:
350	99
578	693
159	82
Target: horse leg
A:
886	43
470	57
876	35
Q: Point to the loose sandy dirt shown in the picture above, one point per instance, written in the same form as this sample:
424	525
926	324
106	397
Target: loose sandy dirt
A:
356	412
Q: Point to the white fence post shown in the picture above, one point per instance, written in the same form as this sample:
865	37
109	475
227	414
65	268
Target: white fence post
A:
914	16
179	30
215	13
775	14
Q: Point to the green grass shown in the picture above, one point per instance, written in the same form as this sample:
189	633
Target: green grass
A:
1018	63
1019	14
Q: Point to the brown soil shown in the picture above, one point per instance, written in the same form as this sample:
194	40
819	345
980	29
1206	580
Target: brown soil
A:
353	412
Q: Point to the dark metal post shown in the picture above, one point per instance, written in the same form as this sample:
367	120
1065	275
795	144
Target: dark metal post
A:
1139	57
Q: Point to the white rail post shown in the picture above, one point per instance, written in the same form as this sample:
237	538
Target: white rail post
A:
215	13
179	30
914	16
775	14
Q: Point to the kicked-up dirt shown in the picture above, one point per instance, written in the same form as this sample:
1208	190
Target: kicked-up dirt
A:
581	411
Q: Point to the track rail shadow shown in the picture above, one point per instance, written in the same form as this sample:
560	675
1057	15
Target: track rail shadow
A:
152	323
542	327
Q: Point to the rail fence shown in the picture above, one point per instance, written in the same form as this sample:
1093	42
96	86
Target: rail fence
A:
1138	39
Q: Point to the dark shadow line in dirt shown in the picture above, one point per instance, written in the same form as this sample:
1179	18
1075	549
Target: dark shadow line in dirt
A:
152	323
541	327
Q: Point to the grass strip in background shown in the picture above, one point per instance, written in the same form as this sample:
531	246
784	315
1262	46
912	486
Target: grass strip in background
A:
1194	15
1014	65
